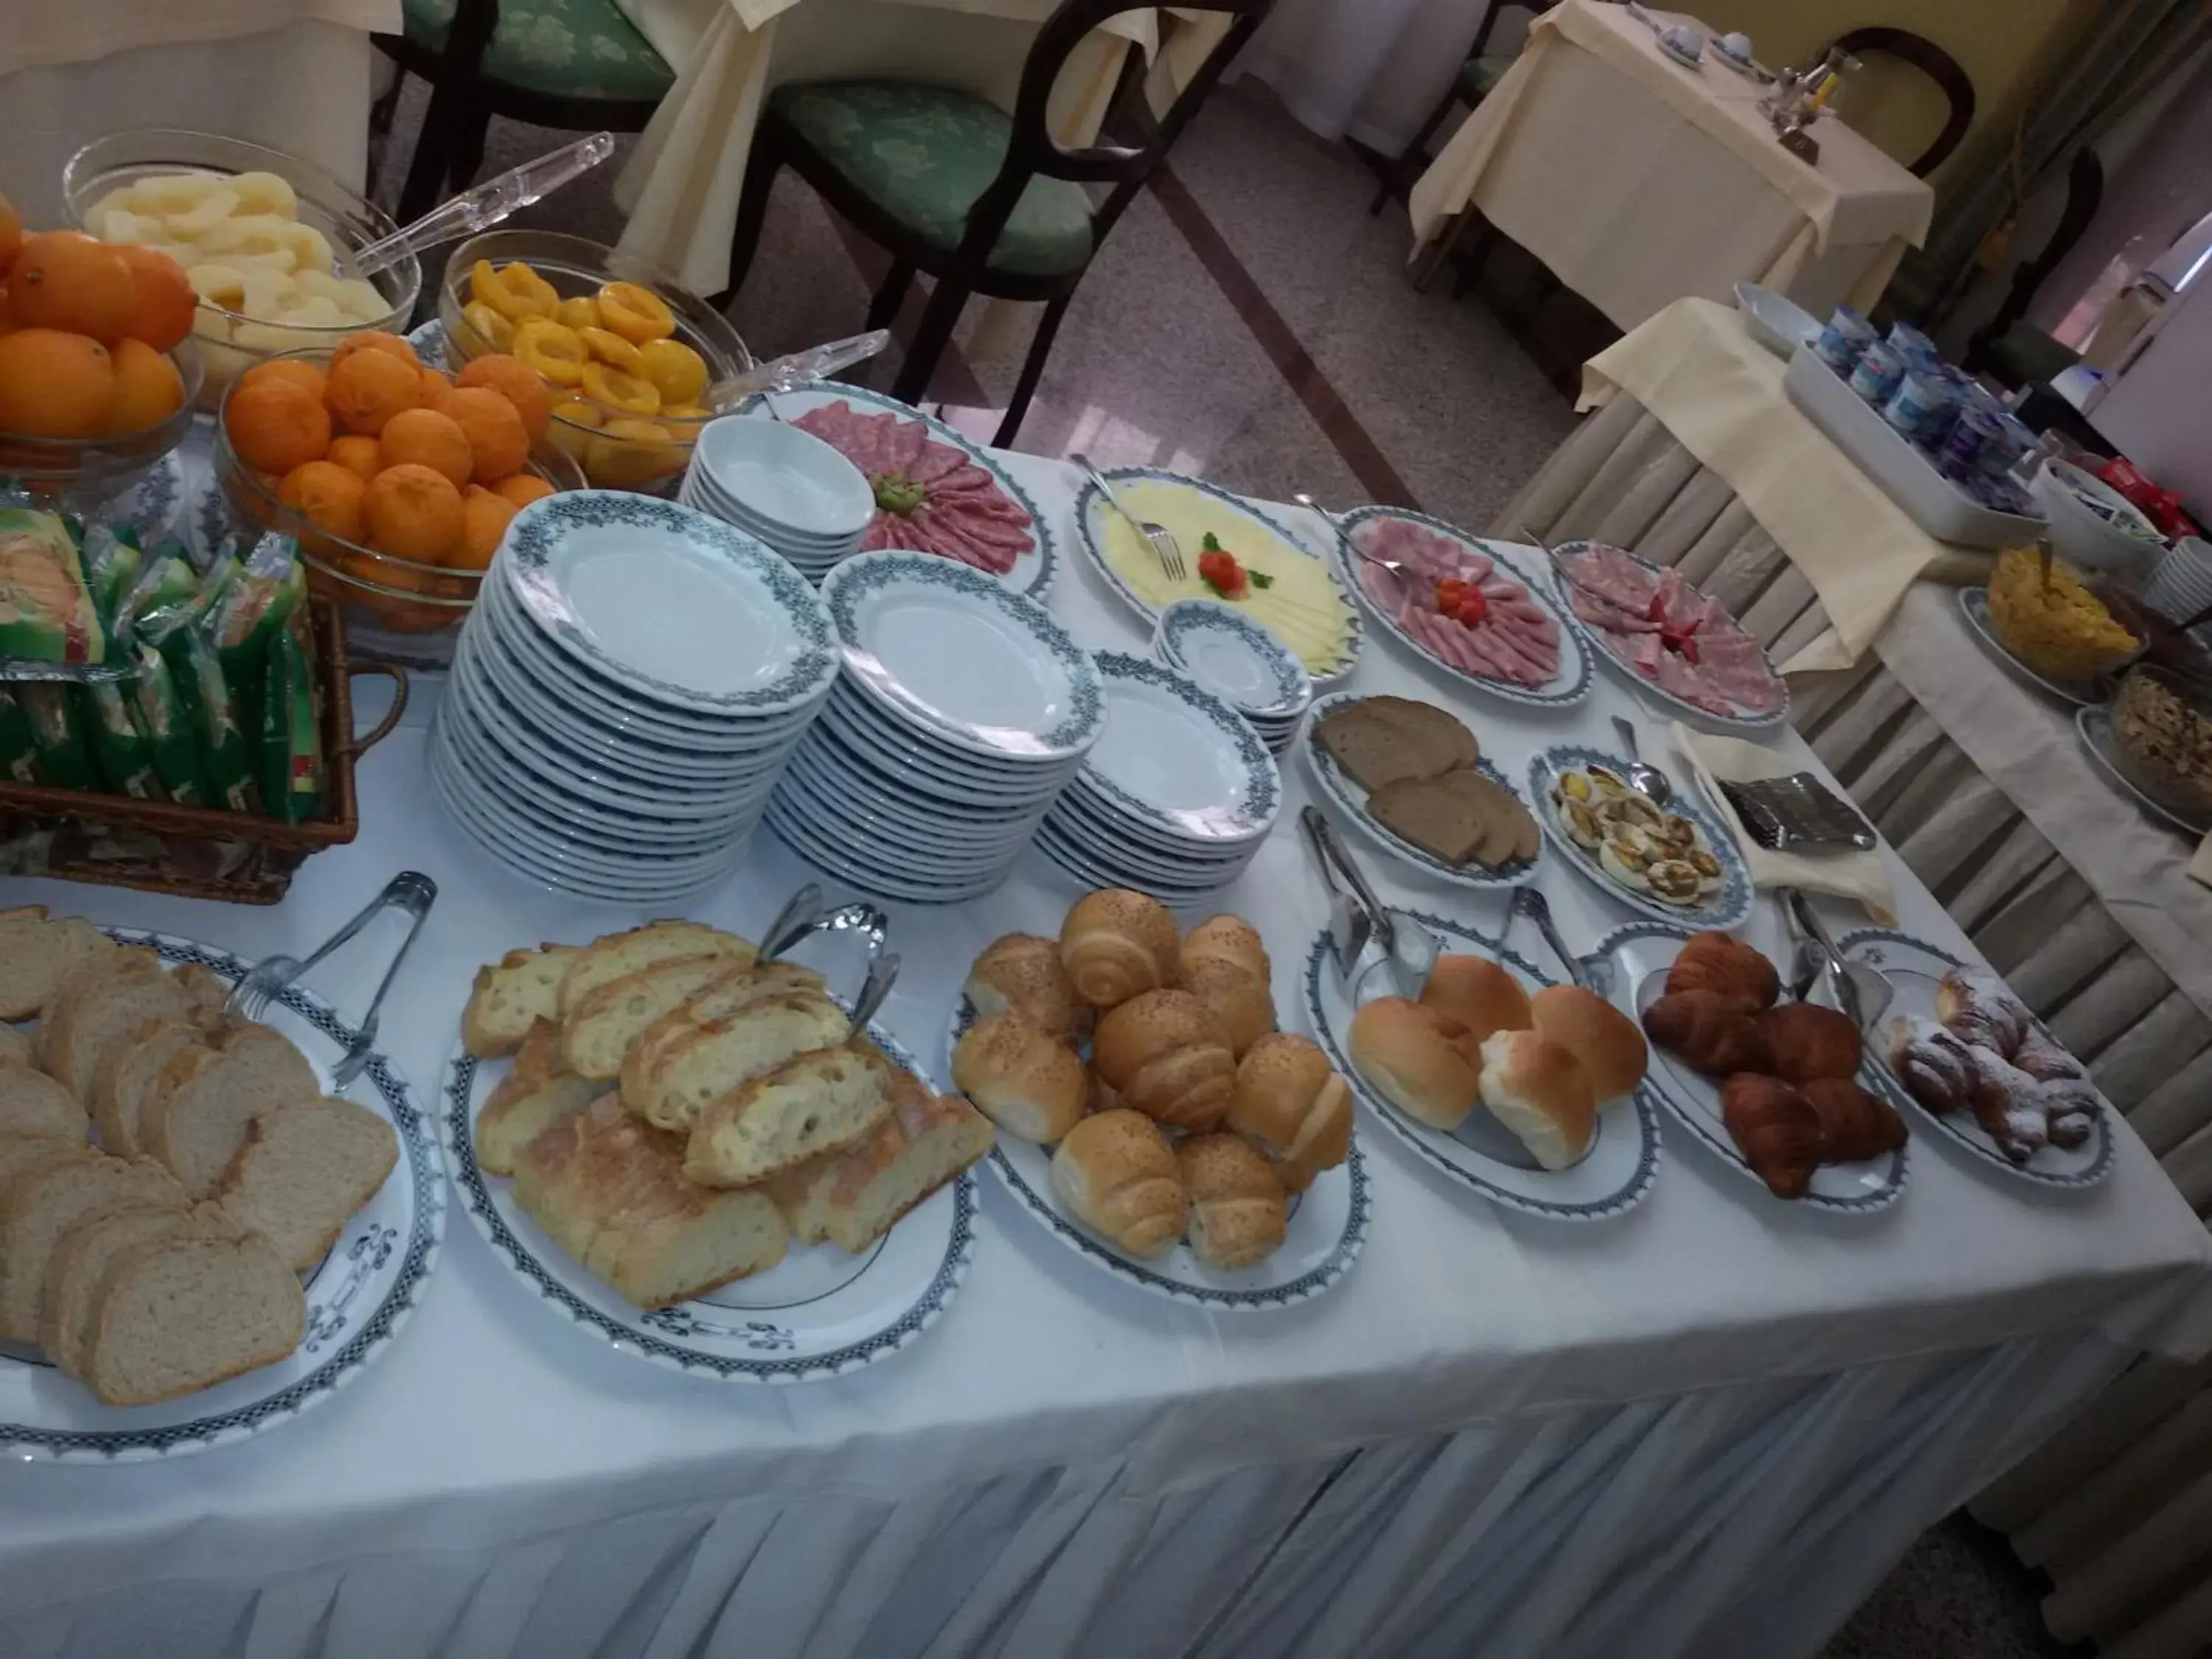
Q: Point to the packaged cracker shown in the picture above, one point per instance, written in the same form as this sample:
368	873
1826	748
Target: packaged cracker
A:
291	737
48	624
62	759
19	750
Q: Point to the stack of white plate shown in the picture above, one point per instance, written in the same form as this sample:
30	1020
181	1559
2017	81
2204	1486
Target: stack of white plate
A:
628	690
786	486
1176	797
961	711
1239	661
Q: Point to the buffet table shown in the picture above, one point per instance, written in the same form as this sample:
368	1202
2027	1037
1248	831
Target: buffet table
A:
1704	1427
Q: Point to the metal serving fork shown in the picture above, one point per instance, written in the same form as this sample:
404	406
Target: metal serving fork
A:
1159	538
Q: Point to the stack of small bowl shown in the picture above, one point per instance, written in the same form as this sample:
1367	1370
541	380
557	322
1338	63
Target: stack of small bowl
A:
1240	662
782	485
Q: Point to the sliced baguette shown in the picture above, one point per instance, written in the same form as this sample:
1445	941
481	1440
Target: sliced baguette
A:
20	1152
80	1260
205	992
727	1053
599	1028
853	1198
35	954
610	1189
99	1002
304	1171
819	1103
16	1047
33	1104
619	955
41	1204
513	994
127	1070
196	1116
723	999
177	1316
538	1090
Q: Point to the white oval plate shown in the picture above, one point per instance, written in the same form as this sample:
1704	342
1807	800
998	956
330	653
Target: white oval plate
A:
1566	687
851	865
1974	605
1610	1180
1641	953
1235	659
1091	869
818	1313
1916	967
2095	727
357	1298
900	784
1176	759
1728	908
861	724
891	845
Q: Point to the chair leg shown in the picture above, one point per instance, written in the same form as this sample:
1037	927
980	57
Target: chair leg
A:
939	319
1032	371
433	160
380	115
1400	178
890	294
761	165
469	151
1424	276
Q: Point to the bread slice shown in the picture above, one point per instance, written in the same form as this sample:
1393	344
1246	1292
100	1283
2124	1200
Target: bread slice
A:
819	1103
513	994
99	1002
41	1204
1436	730
17	1048
725	997
34	955
196	1116
183	1315
126	1071
80	1260
1381	740
597	1029
538	1092
853	1198
1432	816
610	1189
305	1170
20	1152
205	992
619	955
33	1104
727	1053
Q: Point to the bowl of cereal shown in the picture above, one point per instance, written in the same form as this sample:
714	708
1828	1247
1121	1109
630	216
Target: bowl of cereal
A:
268	241
2061	628
2162	739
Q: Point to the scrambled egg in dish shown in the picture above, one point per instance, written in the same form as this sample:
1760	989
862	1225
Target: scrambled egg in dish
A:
2066	633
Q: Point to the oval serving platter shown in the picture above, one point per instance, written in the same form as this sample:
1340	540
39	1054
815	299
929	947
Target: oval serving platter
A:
1727	907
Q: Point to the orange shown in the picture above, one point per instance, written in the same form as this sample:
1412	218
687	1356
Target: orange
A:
167	303
519	384
363	457
63	279
328	495
523	488
423	437
276	425
485	517
7	318
372	340
497	444
437	390
11	232
148	389
296	369
53	384
412	512
367	388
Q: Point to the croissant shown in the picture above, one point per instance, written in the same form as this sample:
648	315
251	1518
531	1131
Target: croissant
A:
1777	1131
1858	1126
1932	1064
1810	1041
1711	1031
2007	1104
1723	962
2043	1059
1981	1012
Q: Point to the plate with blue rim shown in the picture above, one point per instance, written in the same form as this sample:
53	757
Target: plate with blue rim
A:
1237	658
360	1293
1729	906
682	610
1641	953
1482	1155
1346	794
1092	510
946	651
1915	967
1974	605
1175	763
877	874
1326	1231
819	1312
1033	571
1567	687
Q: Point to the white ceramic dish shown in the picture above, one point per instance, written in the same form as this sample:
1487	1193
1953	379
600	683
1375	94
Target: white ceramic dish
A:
2085	515
1235	659
1727	907
783	478
1178	760
1974	605
2094	725
1775	321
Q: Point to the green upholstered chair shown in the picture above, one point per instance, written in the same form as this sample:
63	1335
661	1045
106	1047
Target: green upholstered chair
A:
576	65
1476	79
983	201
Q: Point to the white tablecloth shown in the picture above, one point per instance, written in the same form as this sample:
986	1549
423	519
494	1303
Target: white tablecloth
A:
1713	1422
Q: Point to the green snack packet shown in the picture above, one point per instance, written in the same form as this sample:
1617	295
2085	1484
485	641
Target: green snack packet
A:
251	613
54	735
165	725
291	741
182	633
46	612
19	750
112	559
119	752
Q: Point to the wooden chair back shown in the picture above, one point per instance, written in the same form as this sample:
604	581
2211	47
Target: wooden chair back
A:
1939	66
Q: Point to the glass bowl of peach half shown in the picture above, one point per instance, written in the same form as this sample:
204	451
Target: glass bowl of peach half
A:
374	532
625	349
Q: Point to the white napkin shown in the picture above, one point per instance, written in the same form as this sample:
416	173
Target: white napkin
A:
2200	867
1845	872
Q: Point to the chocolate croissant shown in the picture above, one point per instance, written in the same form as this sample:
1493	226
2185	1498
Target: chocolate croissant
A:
1722	962
1810	1041
1858	1126
1776	1130
1711	1030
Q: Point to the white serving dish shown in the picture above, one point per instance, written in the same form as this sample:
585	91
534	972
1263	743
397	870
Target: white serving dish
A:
1777	322
1906	477
2081	535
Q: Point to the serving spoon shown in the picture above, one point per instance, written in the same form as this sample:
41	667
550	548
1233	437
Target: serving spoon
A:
1649	780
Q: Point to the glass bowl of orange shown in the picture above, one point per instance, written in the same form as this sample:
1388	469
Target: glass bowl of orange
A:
625	350
397	480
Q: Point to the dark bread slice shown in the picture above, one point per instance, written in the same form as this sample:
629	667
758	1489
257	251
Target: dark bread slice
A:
1432	815
1454	743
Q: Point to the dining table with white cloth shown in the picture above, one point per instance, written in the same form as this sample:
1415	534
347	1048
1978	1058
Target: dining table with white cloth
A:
1704	1427
1637	180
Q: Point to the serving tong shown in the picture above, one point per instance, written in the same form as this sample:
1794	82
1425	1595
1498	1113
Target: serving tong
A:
1357	918
802	917
1861	993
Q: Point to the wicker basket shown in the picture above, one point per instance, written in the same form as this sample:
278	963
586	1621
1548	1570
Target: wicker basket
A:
78	834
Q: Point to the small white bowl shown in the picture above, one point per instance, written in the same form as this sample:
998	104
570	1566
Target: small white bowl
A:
2083	536
1235	658
1775	322
785	476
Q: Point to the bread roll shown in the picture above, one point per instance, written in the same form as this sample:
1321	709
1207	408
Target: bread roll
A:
1022	974
1186	1088
1116	1174
1237	1211
1020	1078
1115	944
1156	1022
1541	1092
1418	1060
1241	1008
1293	1106
1230	940
1478	993
1607	1042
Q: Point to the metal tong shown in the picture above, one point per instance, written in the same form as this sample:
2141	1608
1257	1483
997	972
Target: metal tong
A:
1358	918
802	917
1861	993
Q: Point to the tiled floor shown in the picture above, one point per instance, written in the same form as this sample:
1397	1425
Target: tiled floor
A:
1251	323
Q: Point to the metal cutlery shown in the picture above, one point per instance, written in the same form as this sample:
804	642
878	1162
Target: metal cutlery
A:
1156	537
1358	918
1345	541
1861	993
1648	780
800	912
1592	973
882	974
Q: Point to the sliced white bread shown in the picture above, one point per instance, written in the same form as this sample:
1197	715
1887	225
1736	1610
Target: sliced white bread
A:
599	1027
35	954
33	1104
723	999
853	1198
20	1152
610	1189
205	992
43	1203
819	1103
619	955
127	1070
727	1053
537	1092
304	1171
16	1047
69	987
80	1260
513	994
174	1317
195	1117
99	1003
